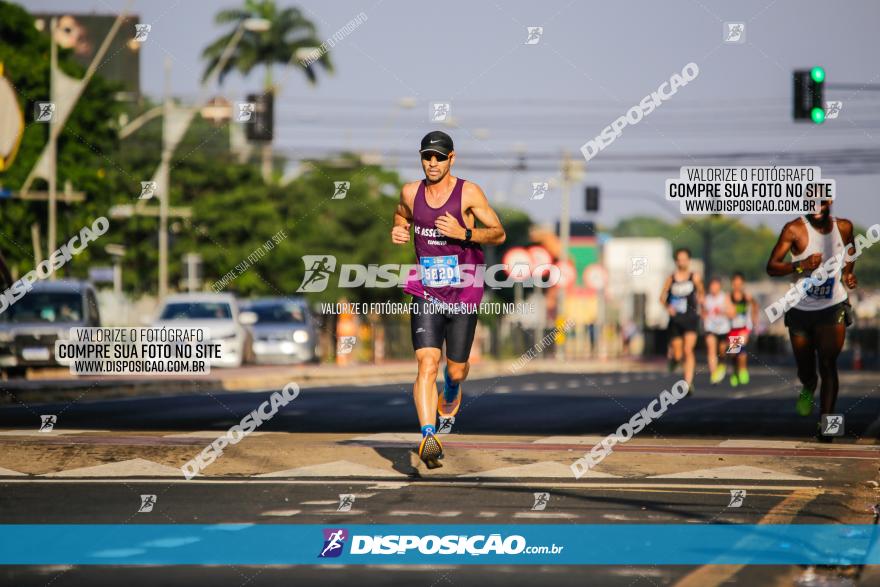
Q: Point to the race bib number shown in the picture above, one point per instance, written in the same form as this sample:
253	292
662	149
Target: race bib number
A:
440	271
680	305
822	291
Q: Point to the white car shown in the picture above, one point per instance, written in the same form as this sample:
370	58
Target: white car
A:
219	314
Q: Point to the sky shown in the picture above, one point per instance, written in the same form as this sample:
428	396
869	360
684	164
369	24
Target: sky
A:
594	61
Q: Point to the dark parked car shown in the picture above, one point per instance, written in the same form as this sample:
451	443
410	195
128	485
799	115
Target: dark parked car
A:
31	325
284	331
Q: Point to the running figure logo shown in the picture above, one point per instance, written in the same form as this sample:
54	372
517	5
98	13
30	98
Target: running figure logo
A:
534	35
346	500
334	540
832	424
141	32
445	426
44	111
833	108
47	422
346	344
148	190
318	269
245	111
341	189
439	111
735	344
639	266
737	497
542	498
147	503
734	32
539	190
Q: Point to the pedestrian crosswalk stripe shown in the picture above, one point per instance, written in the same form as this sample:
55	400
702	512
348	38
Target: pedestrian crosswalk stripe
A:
736	473
546	469
545	515
11	473
424	513
128	468
281	513
334	469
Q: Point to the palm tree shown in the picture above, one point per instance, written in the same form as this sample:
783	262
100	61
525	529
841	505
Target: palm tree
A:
288	32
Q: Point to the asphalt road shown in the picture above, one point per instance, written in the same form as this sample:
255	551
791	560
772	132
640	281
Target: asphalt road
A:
515	436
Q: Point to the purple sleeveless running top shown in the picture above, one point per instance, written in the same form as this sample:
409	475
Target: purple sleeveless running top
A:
430	243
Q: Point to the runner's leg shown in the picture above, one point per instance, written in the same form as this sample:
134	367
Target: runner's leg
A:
829	342
425	388
712	352
690	361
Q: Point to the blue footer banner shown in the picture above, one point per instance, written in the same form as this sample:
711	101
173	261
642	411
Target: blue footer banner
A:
459	544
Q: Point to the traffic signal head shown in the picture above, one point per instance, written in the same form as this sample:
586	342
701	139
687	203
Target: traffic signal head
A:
809	90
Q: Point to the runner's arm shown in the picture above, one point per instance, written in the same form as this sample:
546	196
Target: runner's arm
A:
777	266
846	233
701	291
474	200
664	293
753	306
402	217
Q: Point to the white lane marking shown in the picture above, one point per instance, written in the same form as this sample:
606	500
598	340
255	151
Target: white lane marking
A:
736	472
397	401
281	513
54	432
503	389
10	473
391	437
622	486
624	380
130	467
607	381
487	514
545	515
588	440
334	469
573	384
552	385
530	387
207	434
424	513
319	502
549	469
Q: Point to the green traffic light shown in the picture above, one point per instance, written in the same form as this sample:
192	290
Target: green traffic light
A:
817	74
818	115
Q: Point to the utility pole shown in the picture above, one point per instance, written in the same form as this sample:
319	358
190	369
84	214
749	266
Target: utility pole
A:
164	184
564	239
52	151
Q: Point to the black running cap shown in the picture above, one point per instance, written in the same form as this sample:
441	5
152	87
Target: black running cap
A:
437	141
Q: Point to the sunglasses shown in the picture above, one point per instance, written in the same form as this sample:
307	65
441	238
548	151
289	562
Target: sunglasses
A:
428	155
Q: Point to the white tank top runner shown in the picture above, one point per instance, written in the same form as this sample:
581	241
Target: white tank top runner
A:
716	320
828	245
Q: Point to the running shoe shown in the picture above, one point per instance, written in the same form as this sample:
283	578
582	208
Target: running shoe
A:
430	451
744	376
804	404
734	380
449	401
718	374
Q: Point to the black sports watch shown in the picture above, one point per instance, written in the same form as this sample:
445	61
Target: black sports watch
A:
468	233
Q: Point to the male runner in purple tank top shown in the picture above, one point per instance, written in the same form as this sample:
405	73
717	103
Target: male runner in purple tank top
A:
444	210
